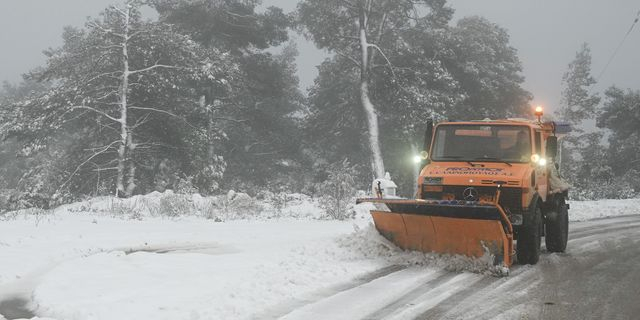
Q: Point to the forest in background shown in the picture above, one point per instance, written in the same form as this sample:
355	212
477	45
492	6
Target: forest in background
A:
205	99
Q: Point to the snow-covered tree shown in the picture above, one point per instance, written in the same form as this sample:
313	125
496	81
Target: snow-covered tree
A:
260	118
621	115
578	103
110	80
429	71
489	71
364	33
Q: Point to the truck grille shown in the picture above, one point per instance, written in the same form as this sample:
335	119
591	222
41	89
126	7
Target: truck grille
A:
510	198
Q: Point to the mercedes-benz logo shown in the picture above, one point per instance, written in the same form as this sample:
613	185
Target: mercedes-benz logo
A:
470	194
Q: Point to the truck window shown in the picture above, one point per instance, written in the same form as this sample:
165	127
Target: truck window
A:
482	143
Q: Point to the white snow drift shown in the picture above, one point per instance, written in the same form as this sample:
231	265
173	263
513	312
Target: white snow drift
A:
83	262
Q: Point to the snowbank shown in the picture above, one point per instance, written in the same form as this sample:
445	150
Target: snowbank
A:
88	267
229	207
588	210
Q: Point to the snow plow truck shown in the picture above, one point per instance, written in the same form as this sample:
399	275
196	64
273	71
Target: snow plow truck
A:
484	185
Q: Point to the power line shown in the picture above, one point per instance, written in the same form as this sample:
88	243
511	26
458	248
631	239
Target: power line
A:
615	52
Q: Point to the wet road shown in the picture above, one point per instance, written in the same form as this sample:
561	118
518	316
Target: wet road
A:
597	278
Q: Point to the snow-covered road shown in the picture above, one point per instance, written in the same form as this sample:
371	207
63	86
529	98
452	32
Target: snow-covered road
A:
597	278
88	266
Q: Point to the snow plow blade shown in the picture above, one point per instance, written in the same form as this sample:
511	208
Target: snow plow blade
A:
452	227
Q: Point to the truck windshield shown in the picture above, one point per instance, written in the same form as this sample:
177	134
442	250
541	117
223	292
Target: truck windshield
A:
483	143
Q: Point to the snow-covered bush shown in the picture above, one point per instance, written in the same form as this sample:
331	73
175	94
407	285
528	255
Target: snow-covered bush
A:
617	189
125	208
5	195
240	204
338	191
279	201
174	205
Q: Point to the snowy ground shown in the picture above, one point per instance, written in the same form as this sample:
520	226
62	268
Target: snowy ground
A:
79	262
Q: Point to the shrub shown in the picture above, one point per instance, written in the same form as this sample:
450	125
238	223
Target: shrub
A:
240	204
337	192
174	205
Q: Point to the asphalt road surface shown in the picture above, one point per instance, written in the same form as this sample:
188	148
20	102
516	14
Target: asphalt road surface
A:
597	278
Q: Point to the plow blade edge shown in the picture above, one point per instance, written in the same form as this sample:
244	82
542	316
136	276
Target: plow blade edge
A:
470	230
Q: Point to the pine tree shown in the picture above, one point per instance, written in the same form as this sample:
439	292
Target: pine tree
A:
489	71
577	105
621	115
577	102
112	81
259	113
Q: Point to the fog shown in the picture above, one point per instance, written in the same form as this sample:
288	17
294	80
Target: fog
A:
546	33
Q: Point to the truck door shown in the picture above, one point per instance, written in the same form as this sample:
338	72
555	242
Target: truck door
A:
541	171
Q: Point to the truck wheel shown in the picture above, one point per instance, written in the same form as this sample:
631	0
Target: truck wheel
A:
529	238
557	230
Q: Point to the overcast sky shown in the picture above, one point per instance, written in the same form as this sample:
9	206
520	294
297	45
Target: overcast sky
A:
546	33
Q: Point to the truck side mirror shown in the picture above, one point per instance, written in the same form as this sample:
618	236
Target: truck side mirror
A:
552	147
427	136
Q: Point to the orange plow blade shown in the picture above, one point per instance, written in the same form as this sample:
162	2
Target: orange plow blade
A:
437	226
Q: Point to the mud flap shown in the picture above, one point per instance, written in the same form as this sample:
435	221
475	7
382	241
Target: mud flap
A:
468	229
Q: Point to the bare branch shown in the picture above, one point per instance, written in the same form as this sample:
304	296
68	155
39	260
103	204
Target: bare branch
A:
98	111
348	4
124	14
100	76
340	53
165	112
114	46
230	119
244	16
103	150
140	122
154	67
384	56
107	31
104	169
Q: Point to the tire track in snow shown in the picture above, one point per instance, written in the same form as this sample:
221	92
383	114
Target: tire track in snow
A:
488	298
419	301
284	309
452	302
407	299
607	228
358	302
600	223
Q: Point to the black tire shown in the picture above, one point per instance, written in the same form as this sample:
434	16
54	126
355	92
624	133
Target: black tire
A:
557	228
529	237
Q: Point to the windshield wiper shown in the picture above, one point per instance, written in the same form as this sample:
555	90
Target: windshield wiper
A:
459	157
494	159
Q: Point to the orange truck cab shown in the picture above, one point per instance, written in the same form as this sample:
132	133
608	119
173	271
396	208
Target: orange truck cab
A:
464	160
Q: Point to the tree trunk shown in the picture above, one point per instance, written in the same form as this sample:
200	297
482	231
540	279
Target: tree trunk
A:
369	108
211	129
124	149
131	178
